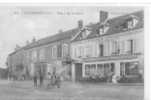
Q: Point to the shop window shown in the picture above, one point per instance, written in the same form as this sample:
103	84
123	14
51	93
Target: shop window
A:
112	67
106	69
90	69
122	69
131	69
93	69
87	69
100	69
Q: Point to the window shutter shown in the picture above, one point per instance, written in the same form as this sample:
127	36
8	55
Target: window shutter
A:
59	50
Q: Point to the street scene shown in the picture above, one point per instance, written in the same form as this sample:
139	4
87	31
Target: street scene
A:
71	53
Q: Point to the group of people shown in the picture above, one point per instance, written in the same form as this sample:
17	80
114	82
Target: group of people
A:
38	75
53	79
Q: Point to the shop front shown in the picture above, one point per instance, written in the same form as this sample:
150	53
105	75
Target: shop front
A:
125	70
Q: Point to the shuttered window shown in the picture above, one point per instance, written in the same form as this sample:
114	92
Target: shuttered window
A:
42	54
54	51
65	50
59	50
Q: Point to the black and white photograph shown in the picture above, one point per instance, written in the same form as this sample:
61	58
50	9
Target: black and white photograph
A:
60	52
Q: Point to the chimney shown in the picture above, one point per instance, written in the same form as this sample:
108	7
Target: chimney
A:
103	16
80	24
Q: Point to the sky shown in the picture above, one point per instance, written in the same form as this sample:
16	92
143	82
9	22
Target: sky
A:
21	23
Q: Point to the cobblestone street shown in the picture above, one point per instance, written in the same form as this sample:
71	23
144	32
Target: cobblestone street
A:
23	90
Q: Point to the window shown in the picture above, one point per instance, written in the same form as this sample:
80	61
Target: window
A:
129	23
100	70
90	69
59	50
130	46
81	51
103	29
87	69
85	33
42	54
122	69
132	23
28	55
65	50
115	47
122	47
34	55
54	52
50	52
129	68
88	51
101	50
75	52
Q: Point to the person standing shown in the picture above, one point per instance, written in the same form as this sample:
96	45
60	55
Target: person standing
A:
34	74
41	74
35	77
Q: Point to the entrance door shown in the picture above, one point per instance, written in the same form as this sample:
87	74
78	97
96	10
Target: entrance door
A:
78	71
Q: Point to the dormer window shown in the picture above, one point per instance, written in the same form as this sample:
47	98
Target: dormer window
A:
85	33
131	22
103	29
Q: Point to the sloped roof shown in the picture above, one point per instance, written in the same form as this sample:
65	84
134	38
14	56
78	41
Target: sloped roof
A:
60	36
115	25
114	28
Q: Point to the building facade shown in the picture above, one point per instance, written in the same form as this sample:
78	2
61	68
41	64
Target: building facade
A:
96	50
51	53
15	63
110	46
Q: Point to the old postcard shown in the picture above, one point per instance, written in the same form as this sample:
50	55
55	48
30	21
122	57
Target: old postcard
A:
67	52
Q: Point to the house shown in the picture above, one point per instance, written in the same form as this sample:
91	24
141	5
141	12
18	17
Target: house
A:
15	63
52	53
110	46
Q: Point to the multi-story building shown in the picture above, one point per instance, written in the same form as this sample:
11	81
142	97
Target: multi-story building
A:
110	46
52	53
15	62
